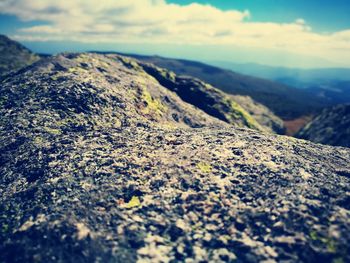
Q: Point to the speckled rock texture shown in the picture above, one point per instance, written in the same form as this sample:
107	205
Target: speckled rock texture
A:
95	168
331	127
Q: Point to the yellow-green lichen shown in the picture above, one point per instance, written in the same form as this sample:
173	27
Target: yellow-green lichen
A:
327	242
169	126
76	70
134	202
4	228
152	105
338	260
130	63
52	131
83	58
38	140
167	74
237	112
204	167
3	100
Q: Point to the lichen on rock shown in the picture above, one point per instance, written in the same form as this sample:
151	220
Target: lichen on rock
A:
87	176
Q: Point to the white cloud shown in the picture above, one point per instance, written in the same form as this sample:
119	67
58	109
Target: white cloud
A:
300	21
156	21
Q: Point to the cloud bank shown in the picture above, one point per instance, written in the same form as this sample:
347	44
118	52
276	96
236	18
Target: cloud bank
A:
156	21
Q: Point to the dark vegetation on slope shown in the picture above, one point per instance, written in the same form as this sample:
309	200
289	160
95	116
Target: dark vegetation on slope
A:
331	127
14	56
334	91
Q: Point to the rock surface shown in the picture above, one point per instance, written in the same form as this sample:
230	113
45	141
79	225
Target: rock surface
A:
94	170
331	127
14	56
264	116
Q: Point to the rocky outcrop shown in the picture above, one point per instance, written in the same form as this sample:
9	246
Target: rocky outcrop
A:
80	92
331	127
95	168
265	117
203	96
14	56
286	102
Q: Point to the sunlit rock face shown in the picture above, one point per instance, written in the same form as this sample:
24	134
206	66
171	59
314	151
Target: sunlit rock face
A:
264	116
101	161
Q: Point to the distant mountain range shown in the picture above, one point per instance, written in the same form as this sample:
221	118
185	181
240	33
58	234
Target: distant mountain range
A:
272	72
331	84
285	101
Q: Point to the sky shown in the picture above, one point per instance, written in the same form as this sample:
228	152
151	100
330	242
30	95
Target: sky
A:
298	33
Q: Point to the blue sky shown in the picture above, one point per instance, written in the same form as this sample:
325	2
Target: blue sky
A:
296	33
321	15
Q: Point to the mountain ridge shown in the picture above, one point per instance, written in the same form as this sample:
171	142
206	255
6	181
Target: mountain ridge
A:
284	101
